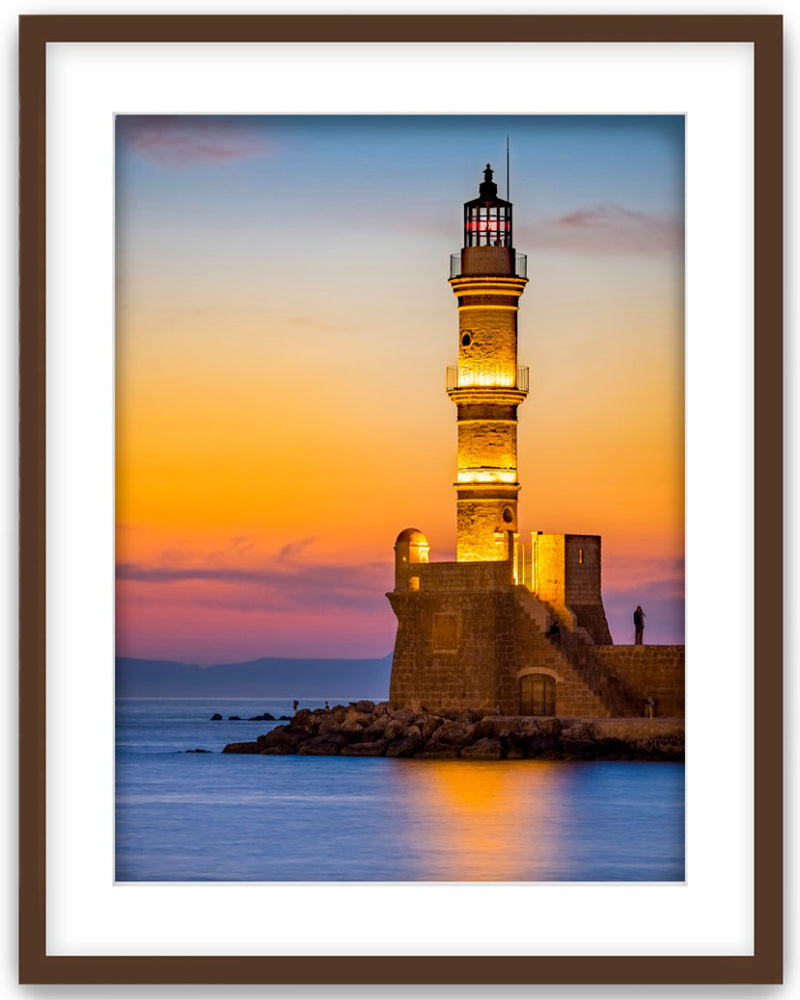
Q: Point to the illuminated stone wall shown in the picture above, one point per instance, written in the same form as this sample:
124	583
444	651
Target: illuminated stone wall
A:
492	339
568	577
548	559
488	444
487	395
656	672
466	637
487	260
426	673
455	633
448	577
535	653
482	524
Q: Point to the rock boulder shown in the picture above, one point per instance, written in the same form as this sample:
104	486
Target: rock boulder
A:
364	729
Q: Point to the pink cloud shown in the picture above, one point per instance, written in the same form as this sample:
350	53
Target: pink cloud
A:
182	142
610	229
624	572
236	575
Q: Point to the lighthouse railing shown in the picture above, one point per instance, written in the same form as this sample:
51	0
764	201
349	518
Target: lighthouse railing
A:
491	377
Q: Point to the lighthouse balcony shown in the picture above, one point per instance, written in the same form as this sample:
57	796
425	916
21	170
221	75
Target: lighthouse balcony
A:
473	262
489	377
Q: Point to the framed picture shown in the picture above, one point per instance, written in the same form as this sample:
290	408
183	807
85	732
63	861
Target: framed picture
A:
125	108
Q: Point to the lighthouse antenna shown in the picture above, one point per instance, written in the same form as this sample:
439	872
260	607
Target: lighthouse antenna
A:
508	183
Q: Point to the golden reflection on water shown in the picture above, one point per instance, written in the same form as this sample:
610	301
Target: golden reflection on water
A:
488	821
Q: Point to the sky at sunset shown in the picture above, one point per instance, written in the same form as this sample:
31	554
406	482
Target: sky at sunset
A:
283	328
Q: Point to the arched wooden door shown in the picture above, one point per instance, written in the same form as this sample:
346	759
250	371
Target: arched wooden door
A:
537	695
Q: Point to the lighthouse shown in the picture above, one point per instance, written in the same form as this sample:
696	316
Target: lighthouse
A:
487	384
479	635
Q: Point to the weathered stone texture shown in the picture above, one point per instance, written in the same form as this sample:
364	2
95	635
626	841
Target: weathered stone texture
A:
499	636
656	672
487	398
487	260
548	559
478	520
567	577
535	652
492	338
461	678
487	444
447	577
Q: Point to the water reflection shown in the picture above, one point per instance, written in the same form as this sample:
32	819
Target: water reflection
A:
222	817
486	821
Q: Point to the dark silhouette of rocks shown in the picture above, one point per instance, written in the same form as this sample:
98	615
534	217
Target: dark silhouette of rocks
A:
216	717
484	749
197	751
365	729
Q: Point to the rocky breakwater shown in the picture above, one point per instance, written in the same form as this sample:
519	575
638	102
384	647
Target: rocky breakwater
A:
364	729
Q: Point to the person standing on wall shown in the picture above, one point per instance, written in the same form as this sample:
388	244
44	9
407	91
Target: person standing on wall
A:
638	623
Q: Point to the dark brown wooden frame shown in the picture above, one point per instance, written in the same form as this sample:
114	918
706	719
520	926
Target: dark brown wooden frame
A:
765	966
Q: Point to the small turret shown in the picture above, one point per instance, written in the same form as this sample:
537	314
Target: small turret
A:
411	548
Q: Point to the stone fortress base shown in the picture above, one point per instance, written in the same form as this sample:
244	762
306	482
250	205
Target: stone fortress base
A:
479	636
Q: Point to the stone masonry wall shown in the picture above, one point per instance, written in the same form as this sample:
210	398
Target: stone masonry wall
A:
568	579
581	569
656	672
487	260
466	637
492	342
477	520
454	576
449	649
451	576
536	653
490	444
460	649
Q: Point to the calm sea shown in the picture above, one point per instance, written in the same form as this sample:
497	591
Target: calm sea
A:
225	817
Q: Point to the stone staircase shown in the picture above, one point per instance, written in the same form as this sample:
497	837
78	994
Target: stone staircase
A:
592	617
587	689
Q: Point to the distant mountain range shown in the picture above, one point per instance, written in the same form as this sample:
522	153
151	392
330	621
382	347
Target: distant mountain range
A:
272	677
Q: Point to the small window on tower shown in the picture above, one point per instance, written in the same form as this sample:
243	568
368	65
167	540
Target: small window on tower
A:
580	556
466	340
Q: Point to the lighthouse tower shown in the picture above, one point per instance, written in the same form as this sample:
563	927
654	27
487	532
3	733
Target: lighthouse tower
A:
478	634
487	385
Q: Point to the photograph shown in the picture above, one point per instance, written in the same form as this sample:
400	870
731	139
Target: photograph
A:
399	458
